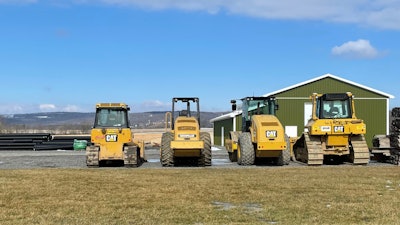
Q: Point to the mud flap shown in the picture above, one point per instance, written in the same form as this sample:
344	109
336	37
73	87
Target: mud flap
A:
130	156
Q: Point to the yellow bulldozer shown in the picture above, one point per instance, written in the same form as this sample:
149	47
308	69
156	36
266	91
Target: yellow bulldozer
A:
112	139
262	135
333	134
183	140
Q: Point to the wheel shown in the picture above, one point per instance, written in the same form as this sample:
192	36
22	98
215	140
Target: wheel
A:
205	158
246	156
167	154
233	156
284	158
286	152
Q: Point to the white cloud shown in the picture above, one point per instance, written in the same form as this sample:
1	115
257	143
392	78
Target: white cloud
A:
71	108
383	14
154	105
211	6
11	109
60	108
18	1
360	49
47	107
377	13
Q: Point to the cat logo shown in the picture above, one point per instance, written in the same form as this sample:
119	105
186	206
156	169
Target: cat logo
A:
111	137
338	129
271	133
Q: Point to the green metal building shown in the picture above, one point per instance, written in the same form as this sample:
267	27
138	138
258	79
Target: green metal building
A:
295	107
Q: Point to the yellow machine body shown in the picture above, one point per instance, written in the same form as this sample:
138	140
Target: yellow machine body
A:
262	134
112	138
183	141
333	131
111	142
187	141
268	135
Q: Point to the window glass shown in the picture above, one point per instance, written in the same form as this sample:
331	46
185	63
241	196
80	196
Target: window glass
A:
335	109
111	118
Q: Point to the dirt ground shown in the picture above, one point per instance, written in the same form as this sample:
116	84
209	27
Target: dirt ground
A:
152	137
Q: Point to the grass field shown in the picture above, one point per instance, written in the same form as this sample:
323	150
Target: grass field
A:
256	195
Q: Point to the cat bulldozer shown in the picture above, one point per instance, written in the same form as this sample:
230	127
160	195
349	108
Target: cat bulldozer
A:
183	140
333	134
262	135
112	138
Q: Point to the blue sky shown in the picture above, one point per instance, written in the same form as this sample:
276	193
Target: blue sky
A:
69	55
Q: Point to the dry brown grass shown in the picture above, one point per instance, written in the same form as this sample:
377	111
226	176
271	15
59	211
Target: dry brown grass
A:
262	195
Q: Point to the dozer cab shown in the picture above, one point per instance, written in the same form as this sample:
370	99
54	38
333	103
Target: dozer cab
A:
112	139
333	134
262	135
183	139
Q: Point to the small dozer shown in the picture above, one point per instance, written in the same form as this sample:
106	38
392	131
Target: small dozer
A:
333	134
112	139
262	135
183	139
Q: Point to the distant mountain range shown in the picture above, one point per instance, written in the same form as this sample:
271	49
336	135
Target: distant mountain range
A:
138	120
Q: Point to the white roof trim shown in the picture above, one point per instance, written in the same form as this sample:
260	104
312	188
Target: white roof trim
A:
226	116
331	76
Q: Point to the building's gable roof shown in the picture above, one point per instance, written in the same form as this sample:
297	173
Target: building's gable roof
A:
226	116
329	76
233	114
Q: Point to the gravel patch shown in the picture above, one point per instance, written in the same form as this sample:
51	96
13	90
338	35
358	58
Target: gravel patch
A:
77	159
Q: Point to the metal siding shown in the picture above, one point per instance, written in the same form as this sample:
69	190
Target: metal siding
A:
291	113
217	132
239	122
227	124
373	112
